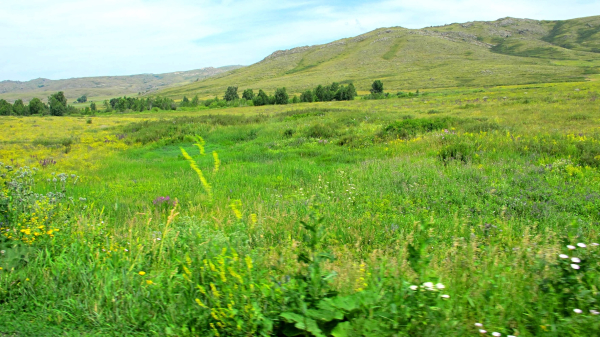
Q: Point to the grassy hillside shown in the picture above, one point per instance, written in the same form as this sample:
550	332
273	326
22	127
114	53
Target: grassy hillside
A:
502	52
104	86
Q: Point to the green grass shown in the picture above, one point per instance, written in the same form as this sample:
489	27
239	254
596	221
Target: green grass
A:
341	207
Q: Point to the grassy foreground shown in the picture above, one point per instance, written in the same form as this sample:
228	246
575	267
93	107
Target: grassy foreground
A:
443	214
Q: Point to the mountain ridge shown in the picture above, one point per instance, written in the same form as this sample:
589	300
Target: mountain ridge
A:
104	85
476	53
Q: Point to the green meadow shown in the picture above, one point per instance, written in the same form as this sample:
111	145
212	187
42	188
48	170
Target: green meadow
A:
439	214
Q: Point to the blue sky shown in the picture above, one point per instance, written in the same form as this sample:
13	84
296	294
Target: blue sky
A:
73	38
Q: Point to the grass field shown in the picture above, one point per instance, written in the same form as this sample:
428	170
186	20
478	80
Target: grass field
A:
313	219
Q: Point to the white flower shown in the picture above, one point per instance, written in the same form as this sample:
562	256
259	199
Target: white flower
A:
574	266
582	245
577	311
510	336
576	260
481	331
594	244
445	296
564	256
428	284
479	325
440	286
571	247
594	312
414	287
497	334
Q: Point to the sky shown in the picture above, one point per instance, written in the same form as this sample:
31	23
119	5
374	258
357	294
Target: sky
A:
73	38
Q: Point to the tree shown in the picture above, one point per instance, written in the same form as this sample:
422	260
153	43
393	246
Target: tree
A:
195	101
295	99
320	94
351	91
231	94
19	108
93	107
307	96
281	96
60	96
6	108
261	98
56	106
248	94
377	87
36	107
185	102
82	99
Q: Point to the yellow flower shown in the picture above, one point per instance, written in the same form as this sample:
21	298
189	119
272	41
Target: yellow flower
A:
149	282
142	273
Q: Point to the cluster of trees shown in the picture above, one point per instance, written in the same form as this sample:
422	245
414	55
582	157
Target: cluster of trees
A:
57	106
139	104
331	92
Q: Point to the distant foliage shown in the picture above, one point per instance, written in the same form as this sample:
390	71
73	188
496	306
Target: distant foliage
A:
231	94
82	99
248	94
377	87
6	108
37	107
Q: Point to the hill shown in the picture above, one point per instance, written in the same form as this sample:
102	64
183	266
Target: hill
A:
105	86
501	52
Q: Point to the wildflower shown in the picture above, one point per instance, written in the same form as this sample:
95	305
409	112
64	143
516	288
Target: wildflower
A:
142	273
570	247
2	251
574	266
594	244
577	311
428	284
445	296
414	287
440	286
479	325
582	245
564	256
149	282
594	312
481	331
497	334
576	260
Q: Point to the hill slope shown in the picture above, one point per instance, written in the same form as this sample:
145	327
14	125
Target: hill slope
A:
107	86
505	51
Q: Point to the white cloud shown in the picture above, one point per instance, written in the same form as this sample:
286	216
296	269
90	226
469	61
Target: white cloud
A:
72	38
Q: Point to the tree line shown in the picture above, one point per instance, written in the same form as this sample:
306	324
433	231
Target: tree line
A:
58	106
57	103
